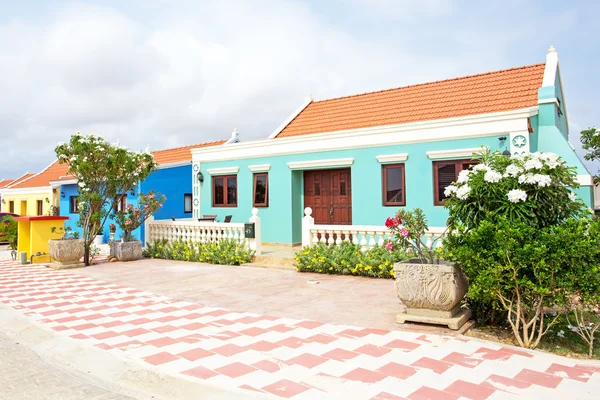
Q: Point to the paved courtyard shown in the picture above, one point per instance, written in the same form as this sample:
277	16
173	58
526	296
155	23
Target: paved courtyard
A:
275	355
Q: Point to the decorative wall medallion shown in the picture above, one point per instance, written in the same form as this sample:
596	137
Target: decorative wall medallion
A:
519	141
196	202
196	167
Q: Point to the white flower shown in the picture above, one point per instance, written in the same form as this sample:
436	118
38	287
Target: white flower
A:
553	163
84	159
463	176
527	178
561	333
463	192
534	163
542	180
573	328
81	184
480	167
60	143
513	170
516	195
492	176
450	190
572	196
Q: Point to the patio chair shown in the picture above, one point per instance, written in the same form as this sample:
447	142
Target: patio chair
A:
173	218
227	218
210	216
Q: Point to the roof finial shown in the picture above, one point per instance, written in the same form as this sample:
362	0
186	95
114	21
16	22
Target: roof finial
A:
235	136
551	49
309	98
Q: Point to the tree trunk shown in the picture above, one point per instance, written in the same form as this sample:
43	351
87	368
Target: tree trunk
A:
86	255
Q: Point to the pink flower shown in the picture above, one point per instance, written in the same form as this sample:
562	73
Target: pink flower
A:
403	232
160	205
137	209
128	222
392	222
389	246
129	205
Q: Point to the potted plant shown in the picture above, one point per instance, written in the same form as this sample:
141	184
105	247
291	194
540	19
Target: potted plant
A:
131	218
430	288
67	250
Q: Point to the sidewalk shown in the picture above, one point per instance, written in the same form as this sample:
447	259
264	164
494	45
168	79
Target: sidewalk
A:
284	357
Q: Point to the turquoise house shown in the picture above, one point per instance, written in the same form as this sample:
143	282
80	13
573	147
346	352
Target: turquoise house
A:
355	160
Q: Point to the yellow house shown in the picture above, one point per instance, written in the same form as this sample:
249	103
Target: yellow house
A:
35	194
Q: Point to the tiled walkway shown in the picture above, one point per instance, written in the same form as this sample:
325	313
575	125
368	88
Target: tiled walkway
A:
285	357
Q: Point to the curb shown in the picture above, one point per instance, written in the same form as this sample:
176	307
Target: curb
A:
120	374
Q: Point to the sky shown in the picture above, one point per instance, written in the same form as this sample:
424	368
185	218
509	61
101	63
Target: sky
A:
169	73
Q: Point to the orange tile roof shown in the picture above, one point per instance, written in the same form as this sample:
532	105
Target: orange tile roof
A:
52	173
22	178
179	154
6	182
505	90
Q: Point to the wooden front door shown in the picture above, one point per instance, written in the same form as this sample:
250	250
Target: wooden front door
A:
329	194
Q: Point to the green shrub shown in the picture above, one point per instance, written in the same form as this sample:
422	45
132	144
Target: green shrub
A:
224	252
9	228
348	259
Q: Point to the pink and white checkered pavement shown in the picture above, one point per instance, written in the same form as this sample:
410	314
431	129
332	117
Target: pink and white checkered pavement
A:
285	357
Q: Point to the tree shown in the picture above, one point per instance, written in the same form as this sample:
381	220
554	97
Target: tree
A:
590	141
105	172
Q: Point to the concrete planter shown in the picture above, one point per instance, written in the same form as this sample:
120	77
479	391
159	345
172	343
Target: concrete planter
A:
66	253
126	251
432	293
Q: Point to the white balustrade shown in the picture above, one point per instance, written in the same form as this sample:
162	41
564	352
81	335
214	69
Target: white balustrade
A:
202	231
365	236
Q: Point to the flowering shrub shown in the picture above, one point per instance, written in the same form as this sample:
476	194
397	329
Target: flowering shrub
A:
348	259
523	239
224	252
103	171
132	217
535	188
408	229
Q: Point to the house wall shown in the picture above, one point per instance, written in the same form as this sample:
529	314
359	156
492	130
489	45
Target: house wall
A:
71	190
31	200
173	183
281	220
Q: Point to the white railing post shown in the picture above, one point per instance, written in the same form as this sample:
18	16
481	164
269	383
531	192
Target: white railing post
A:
255	244
307	223
148	231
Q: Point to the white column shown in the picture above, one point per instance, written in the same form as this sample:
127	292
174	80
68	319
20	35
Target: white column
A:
255	244
147	235
307	222
196	210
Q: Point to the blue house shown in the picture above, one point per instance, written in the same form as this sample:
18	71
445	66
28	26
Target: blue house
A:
171	179
355	160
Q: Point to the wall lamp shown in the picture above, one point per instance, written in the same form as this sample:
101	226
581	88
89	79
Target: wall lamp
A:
3	201
47	200
62	194
506	153
200	177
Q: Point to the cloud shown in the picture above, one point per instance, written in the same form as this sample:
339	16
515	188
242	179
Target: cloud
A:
169	74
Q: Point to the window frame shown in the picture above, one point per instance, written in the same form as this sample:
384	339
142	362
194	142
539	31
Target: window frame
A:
255	177
225	198
121	202
459	166
73	205
39	207
384	169
185	195
11	206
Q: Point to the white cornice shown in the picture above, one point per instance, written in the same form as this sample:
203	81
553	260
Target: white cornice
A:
454	153
333	163
31	190
550	100
223	171
392	158
494	124
63	182
585	180
259	167
285	123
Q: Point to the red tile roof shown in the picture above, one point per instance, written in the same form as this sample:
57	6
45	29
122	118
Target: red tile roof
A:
5	182
179	154
505	90
22	178
52	173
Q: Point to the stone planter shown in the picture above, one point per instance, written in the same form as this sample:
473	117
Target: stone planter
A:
66	253
432	293
126	251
